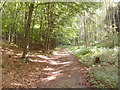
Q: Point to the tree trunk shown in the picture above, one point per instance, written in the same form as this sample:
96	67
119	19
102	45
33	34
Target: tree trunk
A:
86	32
27	31
10	34
41	23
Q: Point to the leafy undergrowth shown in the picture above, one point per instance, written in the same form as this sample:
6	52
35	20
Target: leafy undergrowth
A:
103	74
109	43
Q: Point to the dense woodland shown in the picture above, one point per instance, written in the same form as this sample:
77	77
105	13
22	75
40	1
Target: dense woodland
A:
87	30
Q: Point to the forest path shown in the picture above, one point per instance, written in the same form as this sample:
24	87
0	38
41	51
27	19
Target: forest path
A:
65	71
59	70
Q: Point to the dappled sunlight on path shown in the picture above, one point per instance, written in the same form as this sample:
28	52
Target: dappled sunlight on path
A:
60	70
64	71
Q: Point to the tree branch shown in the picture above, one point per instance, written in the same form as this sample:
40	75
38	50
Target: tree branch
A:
42	4
2	5
50	3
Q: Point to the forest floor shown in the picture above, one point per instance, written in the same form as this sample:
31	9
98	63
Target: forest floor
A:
57	70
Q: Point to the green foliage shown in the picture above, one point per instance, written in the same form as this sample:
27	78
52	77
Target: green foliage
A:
110	43
58	25
103	74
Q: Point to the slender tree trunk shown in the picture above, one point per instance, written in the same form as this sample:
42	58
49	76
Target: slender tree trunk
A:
10	34
32	32
15	37
27	31
86	32
43	31
48	27
41	23
118	17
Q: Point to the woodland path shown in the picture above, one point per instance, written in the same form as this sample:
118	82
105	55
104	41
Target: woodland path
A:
60	70
66	72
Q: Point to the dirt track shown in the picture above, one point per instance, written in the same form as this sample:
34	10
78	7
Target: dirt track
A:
61	70
65	72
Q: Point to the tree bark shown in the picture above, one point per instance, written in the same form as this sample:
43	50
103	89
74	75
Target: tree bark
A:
86	32
27	32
